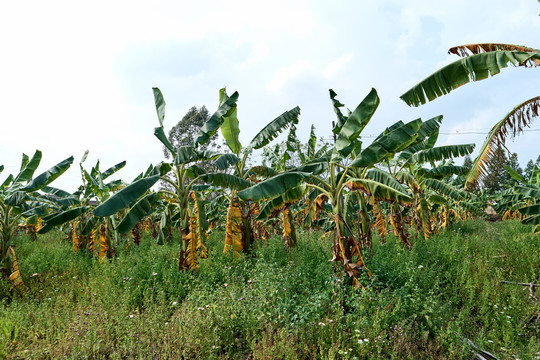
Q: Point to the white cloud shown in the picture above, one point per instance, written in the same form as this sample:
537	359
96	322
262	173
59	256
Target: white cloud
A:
77	76
285	74
337	66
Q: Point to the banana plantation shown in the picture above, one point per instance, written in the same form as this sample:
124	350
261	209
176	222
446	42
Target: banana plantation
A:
403	187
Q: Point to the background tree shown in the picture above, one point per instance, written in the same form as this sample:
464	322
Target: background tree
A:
495	172
498	177
183	133
529	168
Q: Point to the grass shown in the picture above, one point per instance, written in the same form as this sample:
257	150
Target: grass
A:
422	303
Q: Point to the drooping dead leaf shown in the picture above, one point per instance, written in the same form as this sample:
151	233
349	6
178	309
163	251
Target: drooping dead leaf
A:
397	223
234	228
380	223
103	242
289	232
74	237
15	278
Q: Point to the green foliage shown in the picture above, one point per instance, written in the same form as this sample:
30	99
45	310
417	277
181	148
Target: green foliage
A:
527	172
422	303
472	68
499	178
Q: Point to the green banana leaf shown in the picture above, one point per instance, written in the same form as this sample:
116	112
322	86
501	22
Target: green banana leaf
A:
210	188
112	170
515	175
16	198
62	218
387	179
40	210
225	180
28	167
194	171
184	154
530	210
160	105
430	127
312	142
392	127
388	144
224	161
447	170
292	140
207	155
530	192
341	118
48	176
162	168
429	130
444	189
408	179
379	191
437	199
24	161
54	191
290	196
125	197
6	182
354	125
473	68
273	187
137	212
442	153
230	128
274	128
216	120
83	159
263	171
159	132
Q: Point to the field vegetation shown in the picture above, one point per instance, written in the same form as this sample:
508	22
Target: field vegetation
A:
432	301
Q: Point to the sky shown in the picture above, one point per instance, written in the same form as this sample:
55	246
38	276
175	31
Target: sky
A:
78	76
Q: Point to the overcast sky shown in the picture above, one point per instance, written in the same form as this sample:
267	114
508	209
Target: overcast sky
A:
78	75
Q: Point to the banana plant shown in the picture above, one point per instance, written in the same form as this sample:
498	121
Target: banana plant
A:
87	230
19	199
345	168
280	159
427	184
239	235
479	61
181	206
524	198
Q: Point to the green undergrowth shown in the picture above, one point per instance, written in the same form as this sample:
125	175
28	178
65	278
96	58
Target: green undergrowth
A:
423	303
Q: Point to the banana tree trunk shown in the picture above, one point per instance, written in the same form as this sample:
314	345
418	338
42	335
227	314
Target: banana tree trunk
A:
364	228
182	263
239	234
289	231
397	223
346	250
380	223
